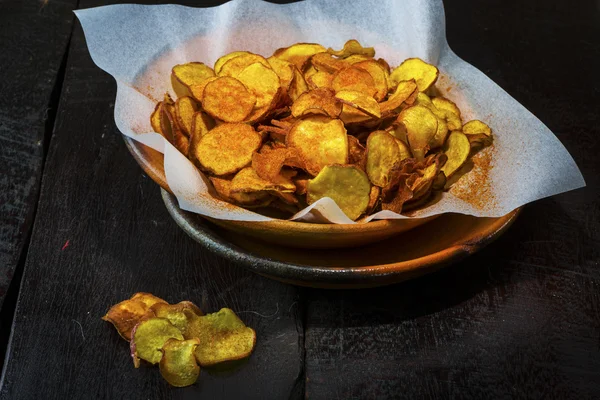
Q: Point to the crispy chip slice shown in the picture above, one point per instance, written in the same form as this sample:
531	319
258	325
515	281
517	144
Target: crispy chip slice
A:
174	312
201	124
347	185
221	61
320	141
479	140
185	107
379	77
185	75
383	152
443	103
360	101
298	85
171	130
404	150
234	66
406	93
352	115
283	69
319	79
228	99
178	364
373	199
356	79
352	47
197	91
476	127
356	58
439	138
148	338
125	315
223	337
223	189
414	68
268	163
155	118
263	82
356	151
421	126
248	181
227	148
317	101
299	53
324	62
457	148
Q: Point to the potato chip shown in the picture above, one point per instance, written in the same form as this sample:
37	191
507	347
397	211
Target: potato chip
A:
398	192
457	148
379	77
174	312
320	79
284	70
476	127
479	140
268	164
298	85
382	154
373	199
414	68
234	66
351	115
261	113
263	82
356	151
356	58
301	185
317	101
125	315
249	200
248	181
324	62
443	103
197	91
223	337
228	99
155	118
185	107
185	75
439	138
221	61
148	338
356	79
347	185
360	101
421	126
352	47
227	148
320	141
299	53
404	149
287	198
171	130
178	364
405	94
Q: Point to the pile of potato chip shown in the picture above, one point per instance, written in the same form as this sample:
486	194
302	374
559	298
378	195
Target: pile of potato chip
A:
179	337
310	122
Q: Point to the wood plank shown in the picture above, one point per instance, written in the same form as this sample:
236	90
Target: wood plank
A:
520	318
102	233
33	40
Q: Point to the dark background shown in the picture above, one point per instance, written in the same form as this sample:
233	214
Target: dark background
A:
81	228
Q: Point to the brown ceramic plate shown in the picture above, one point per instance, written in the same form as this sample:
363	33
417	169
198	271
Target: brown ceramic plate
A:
443	241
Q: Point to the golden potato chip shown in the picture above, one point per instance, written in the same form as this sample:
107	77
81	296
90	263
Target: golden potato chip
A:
479	140
351	115
185	107
320	141
155	118
405	93
347	185
424	100
298	85
284	70
414	68
356	151
439	138
299	53
404	150
317	101
457	148
197	91
355	58
373	199
223	189
201	124
263	82
248	181
223	337
421	126
228	99
148	338
476	127
125	315
185	75
360	101
398	191
234	66
227	148
171	130
174	312
259	114
383	152
319	79
178	364
379	77
356	79
276	133
352	47
268	164
221	61
443	103
324	62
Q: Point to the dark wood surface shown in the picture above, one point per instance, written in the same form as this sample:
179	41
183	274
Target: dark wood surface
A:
520	319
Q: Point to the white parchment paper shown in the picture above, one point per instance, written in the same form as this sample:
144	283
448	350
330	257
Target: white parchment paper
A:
138	45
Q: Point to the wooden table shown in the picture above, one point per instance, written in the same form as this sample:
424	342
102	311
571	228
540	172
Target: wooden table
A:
83	228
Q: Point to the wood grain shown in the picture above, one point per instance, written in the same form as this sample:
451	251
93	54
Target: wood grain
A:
102	233
33	39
